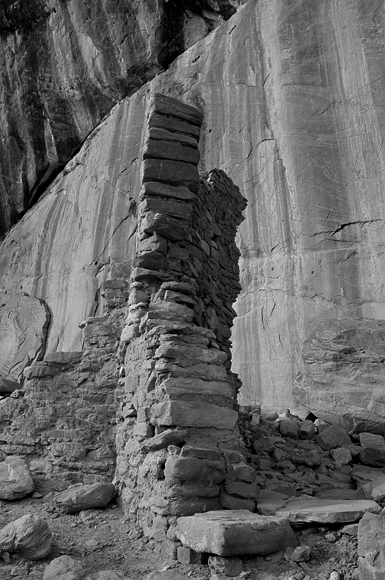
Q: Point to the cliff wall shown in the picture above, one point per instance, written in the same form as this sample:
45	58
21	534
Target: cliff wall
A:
65	63
292	101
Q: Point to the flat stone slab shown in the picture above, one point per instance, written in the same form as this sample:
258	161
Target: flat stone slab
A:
235	532
326	511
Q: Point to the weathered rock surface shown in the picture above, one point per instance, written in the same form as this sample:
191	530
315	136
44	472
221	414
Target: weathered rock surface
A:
64	568
29	536
332	437
15	478
371	547
317	258
326	511
82	497
23	328
63	66
232	533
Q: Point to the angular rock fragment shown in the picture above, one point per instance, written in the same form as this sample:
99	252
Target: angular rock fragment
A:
29	536
15	478
235	532
81	497
332	437
289	429
307	430
373	449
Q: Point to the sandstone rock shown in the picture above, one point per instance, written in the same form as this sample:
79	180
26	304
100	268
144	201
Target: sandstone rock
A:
29	536
226	566
232	502
105	575
15	478
371	546
244	472
64	568
301	554
196	414
164	439
332	437
7	385
232	533
307	430
373	450
326	511
166	575
23	328
80	497
289	429
341	455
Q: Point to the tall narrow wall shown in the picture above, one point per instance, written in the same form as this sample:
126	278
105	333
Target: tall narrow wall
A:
178	432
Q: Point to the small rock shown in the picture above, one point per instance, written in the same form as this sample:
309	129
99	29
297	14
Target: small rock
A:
6	557
301	554
166	575
289	428
37	495
331	538
105	575
64	568
21	570
226	566
15	478
335	575
341	456
307	430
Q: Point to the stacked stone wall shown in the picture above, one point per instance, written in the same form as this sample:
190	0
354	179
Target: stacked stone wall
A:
178	438
62	419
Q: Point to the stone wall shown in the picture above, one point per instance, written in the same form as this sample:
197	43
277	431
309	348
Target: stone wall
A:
151	397
62	419
178	431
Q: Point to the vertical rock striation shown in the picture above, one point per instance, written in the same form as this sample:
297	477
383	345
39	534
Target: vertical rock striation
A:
64	64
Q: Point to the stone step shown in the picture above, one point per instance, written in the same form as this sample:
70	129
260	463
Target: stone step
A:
234	533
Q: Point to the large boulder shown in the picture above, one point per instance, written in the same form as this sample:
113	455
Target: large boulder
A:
15	478
82	497
235	532
29	536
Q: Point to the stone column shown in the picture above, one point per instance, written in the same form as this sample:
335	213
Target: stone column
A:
177	434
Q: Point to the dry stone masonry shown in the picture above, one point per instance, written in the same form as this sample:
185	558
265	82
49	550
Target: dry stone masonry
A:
178	438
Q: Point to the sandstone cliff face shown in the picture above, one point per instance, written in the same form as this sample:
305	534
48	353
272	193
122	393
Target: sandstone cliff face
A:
292	98
65	63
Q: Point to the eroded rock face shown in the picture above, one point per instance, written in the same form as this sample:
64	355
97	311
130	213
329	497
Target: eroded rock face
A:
294	116
24	322
344	372
65	64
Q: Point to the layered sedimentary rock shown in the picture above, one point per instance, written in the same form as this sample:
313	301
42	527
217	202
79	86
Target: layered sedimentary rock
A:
64	64
291	95
178	434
